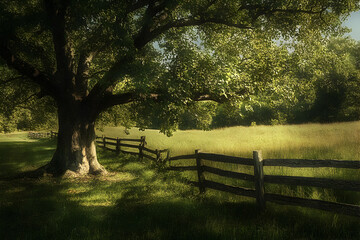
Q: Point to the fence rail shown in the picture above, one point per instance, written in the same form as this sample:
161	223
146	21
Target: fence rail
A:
314	182
37	135
230	174
259	179
225	159
104	142
155	155
304	163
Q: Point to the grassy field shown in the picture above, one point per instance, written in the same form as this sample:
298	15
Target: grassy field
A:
138	201
310	141
315	141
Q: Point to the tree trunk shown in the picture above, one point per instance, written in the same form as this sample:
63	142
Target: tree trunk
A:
75	154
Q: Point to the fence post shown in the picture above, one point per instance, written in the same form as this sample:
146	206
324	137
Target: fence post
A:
51	134
259	179
141	147
200	171
167	156
117	146
157	156
104	141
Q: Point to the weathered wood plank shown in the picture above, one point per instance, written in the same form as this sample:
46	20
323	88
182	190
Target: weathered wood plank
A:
150	157
129	145
149	150
200	171
302	163
109	138
348	209
182	168
230	174
259	179
190	156
314	182
111	143
130	140
226	159
230	189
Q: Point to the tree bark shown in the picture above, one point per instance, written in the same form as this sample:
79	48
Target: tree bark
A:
75	154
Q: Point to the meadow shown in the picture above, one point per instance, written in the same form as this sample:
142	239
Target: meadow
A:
137	200
315	141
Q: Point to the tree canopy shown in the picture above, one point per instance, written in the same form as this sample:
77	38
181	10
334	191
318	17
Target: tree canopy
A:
91	55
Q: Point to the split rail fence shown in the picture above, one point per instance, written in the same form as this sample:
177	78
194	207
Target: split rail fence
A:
124	145
259	178
38	135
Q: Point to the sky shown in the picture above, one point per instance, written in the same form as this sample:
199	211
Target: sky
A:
353	22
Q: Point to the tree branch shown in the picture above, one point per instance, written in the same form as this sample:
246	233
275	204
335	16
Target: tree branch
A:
155	25
82	73
116	99
111	76
56	13
259	10
29	71
97	31
146	36
119	99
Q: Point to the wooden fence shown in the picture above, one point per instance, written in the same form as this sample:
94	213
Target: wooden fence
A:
259	179
122	145
37	135
53	134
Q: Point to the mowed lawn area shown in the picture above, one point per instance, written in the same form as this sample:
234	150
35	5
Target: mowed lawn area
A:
139	201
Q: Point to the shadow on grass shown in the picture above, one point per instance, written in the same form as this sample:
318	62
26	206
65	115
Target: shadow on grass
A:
140	202
137	215
18	156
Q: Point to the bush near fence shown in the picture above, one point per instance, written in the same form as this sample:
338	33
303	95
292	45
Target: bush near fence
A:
259	179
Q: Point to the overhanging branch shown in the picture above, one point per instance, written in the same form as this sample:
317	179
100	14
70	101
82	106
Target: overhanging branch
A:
144	37
119	99
115	99
56	14
29	71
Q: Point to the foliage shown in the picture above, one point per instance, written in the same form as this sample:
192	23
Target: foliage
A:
20	108
319	82
173	52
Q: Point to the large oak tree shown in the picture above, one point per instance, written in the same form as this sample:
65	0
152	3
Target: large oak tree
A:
91	55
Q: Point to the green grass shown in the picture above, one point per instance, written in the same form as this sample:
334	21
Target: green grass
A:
337	140
138	201
309	141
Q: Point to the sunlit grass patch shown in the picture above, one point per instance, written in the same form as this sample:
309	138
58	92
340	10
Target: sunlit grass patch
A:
320	141
139	201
